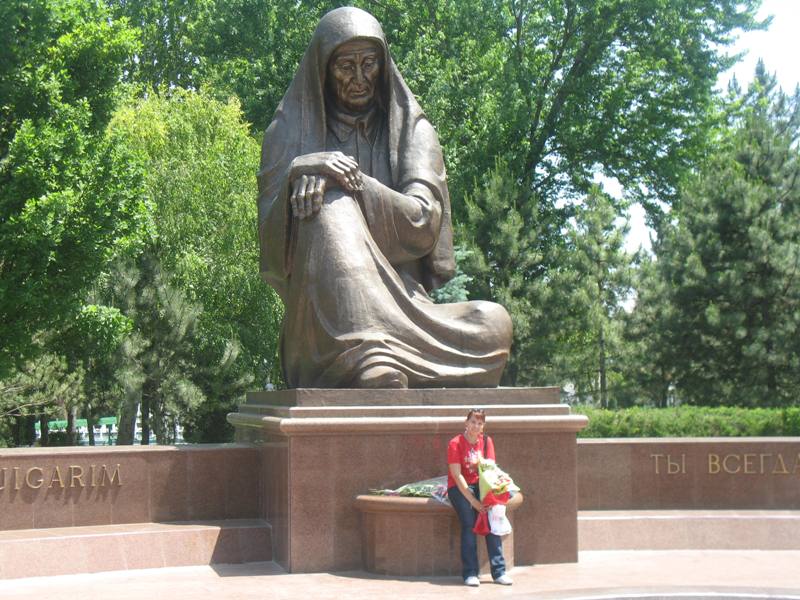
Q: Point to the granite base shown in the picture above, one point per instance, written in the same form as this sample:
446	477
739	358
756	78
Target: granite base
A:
322	448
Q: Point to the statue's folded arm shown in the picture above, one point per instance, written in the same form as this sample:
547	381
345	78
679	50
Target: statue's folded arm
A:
405	226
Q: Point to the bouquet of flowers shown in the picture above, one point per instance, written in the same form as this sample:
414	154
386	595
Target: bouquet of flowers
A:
435	488
493	480
496	487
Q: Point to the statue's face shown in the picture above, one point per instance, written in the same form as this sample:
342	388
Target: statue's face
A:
353	72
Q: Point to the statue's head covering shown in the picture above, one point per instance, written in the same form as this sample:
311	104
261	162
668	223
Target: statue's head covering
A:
299	127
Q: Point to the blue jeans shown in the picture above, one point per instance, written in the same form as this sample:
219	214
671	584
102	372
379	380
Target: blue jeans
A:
469	545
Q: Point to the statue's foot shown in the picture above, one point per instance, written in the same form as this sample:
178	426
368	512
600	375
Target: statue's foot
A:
381	376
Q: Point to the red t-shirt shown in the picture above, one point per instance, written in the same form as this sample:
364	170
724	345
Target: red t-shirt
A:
460	451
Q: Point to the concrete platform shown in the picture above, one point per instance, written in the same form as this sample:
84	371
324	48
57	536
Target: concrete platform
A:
720	575
689	530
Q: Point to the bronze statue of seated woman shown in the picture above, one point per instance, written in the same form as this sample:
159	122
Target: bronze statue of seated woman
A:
355	228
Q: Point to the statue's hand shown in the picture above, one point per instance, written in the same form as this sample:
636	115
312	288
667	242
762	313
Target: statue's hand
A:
307	194
336	165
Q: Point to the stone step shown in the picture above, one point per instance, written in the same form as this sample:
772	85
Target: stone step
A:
457	412
92	549
689	530
464	397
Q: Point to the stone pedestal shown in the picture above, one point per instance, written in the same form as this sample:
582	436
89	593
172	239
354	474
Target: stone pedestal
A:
322	448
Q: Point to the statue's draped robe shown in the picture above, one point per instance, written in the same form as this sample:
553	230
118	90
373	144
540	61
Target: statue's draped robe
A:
354	277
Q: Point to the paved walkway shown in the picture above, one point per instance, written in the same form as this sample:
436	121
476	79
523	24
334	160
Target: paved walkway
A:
607	574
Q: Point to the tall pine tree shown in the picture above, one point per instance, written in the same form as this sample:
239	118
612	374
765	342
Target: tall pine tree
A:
596	274
732	260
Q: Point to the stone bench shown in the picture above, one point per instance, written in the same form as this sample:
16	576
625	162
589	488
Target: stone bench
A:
418	536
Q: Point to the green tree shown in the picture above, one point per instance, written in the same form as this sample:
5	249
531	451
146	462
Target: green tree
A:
731	260
68	198
93	343
597	273
246	48
200	161
555	88
251	49
40	389
165	56
557	91
528	106
157	359
455	290
560	89
648	371
523	291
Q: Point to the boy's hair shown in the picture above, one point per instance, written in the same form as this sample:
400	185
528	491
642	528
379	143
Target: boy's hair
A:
478	412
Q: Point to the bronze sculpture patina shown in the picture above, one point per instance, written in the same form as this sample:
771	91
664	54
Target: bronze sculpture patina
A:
354	225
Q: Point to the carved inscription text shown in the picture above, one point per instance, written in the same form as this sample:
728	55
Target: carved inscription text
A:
72	476
749	463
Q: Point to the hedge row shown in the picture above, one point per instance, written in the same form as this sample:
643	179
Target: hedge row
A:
690	421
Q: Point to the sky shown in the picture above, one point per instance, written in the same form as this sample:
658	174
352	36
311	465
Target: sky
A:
778	46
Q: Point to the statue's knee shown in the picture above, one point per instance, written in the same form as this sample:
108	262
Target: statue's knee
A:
497	320
337	195
338	211
338	207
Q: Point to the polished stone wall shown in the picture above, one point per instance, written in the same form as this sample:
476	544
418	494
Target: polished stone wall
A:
70	487
689	473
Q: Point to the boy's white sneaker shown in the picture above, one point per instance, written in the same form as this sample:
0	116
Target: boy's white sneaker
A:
472	581
504	579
